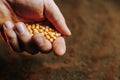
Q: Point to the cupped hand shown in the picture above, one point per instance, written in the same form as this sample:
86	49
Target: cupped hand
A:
18	37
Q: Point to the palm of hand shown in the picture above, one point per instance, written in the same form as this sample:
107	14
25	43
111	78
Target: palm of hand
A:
25	10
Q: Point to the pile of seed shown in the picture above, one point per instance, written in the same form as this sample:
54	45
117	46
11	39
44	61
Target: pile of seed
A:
49	33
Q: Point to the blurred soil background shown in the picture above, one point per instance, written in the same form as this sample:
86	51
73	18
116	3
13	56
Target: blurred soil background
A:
93	50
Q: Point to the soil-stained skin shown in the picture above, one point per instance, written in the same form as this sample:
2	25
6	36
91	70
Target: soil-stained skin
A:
93	50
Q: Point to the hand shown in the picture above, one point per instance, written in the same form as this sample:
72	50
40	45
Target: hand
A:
19	11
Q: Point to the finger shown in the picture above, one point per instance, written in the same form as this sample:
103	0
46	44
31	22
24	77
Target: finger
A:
43	44
59	46
22	32
24	38
11	36
54	15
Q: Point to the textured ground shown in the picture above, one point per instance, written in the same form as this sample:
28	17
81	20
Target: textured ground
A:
93	50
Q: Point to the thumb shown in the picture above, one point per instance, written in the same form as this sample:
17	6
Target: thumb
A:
54	15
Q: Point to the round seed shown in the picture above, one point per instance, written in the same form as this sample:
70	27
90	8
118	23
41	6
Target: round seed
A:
37	27
47	37
46	29
58	35
33	26
43	28
45	33
35	31
54	37
40	30
51	40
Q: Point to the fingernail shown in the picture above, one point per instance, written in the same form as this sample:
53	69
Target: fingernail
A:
20	28
8	25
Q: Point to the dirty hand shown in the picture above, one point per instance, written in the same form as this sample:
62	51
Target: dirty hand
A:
19	11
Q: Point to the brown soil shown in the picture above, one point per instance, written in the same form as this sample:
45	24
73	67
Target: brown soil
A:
93	50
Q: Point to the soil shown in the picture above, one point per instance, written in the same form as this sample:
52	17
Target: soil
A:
93	50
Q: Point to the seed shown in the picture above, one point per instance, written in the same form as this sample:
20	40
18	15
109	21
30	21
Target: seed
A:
46	31
33	26
51	35
51	40
47	37
58	35
35	31
40	27
54	37
26	24
47	27
30	30
40	30
43	28
37	27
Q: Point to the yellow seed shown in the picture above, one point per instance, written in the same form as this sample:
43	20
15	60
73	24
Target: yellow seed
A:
47	37
58	34
55	32
52	33
43	28
40	27
35	31
51	40
50	29
33	26
46	29
29	29
26	23
40	30
37	27
54	37
45	33
28	26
